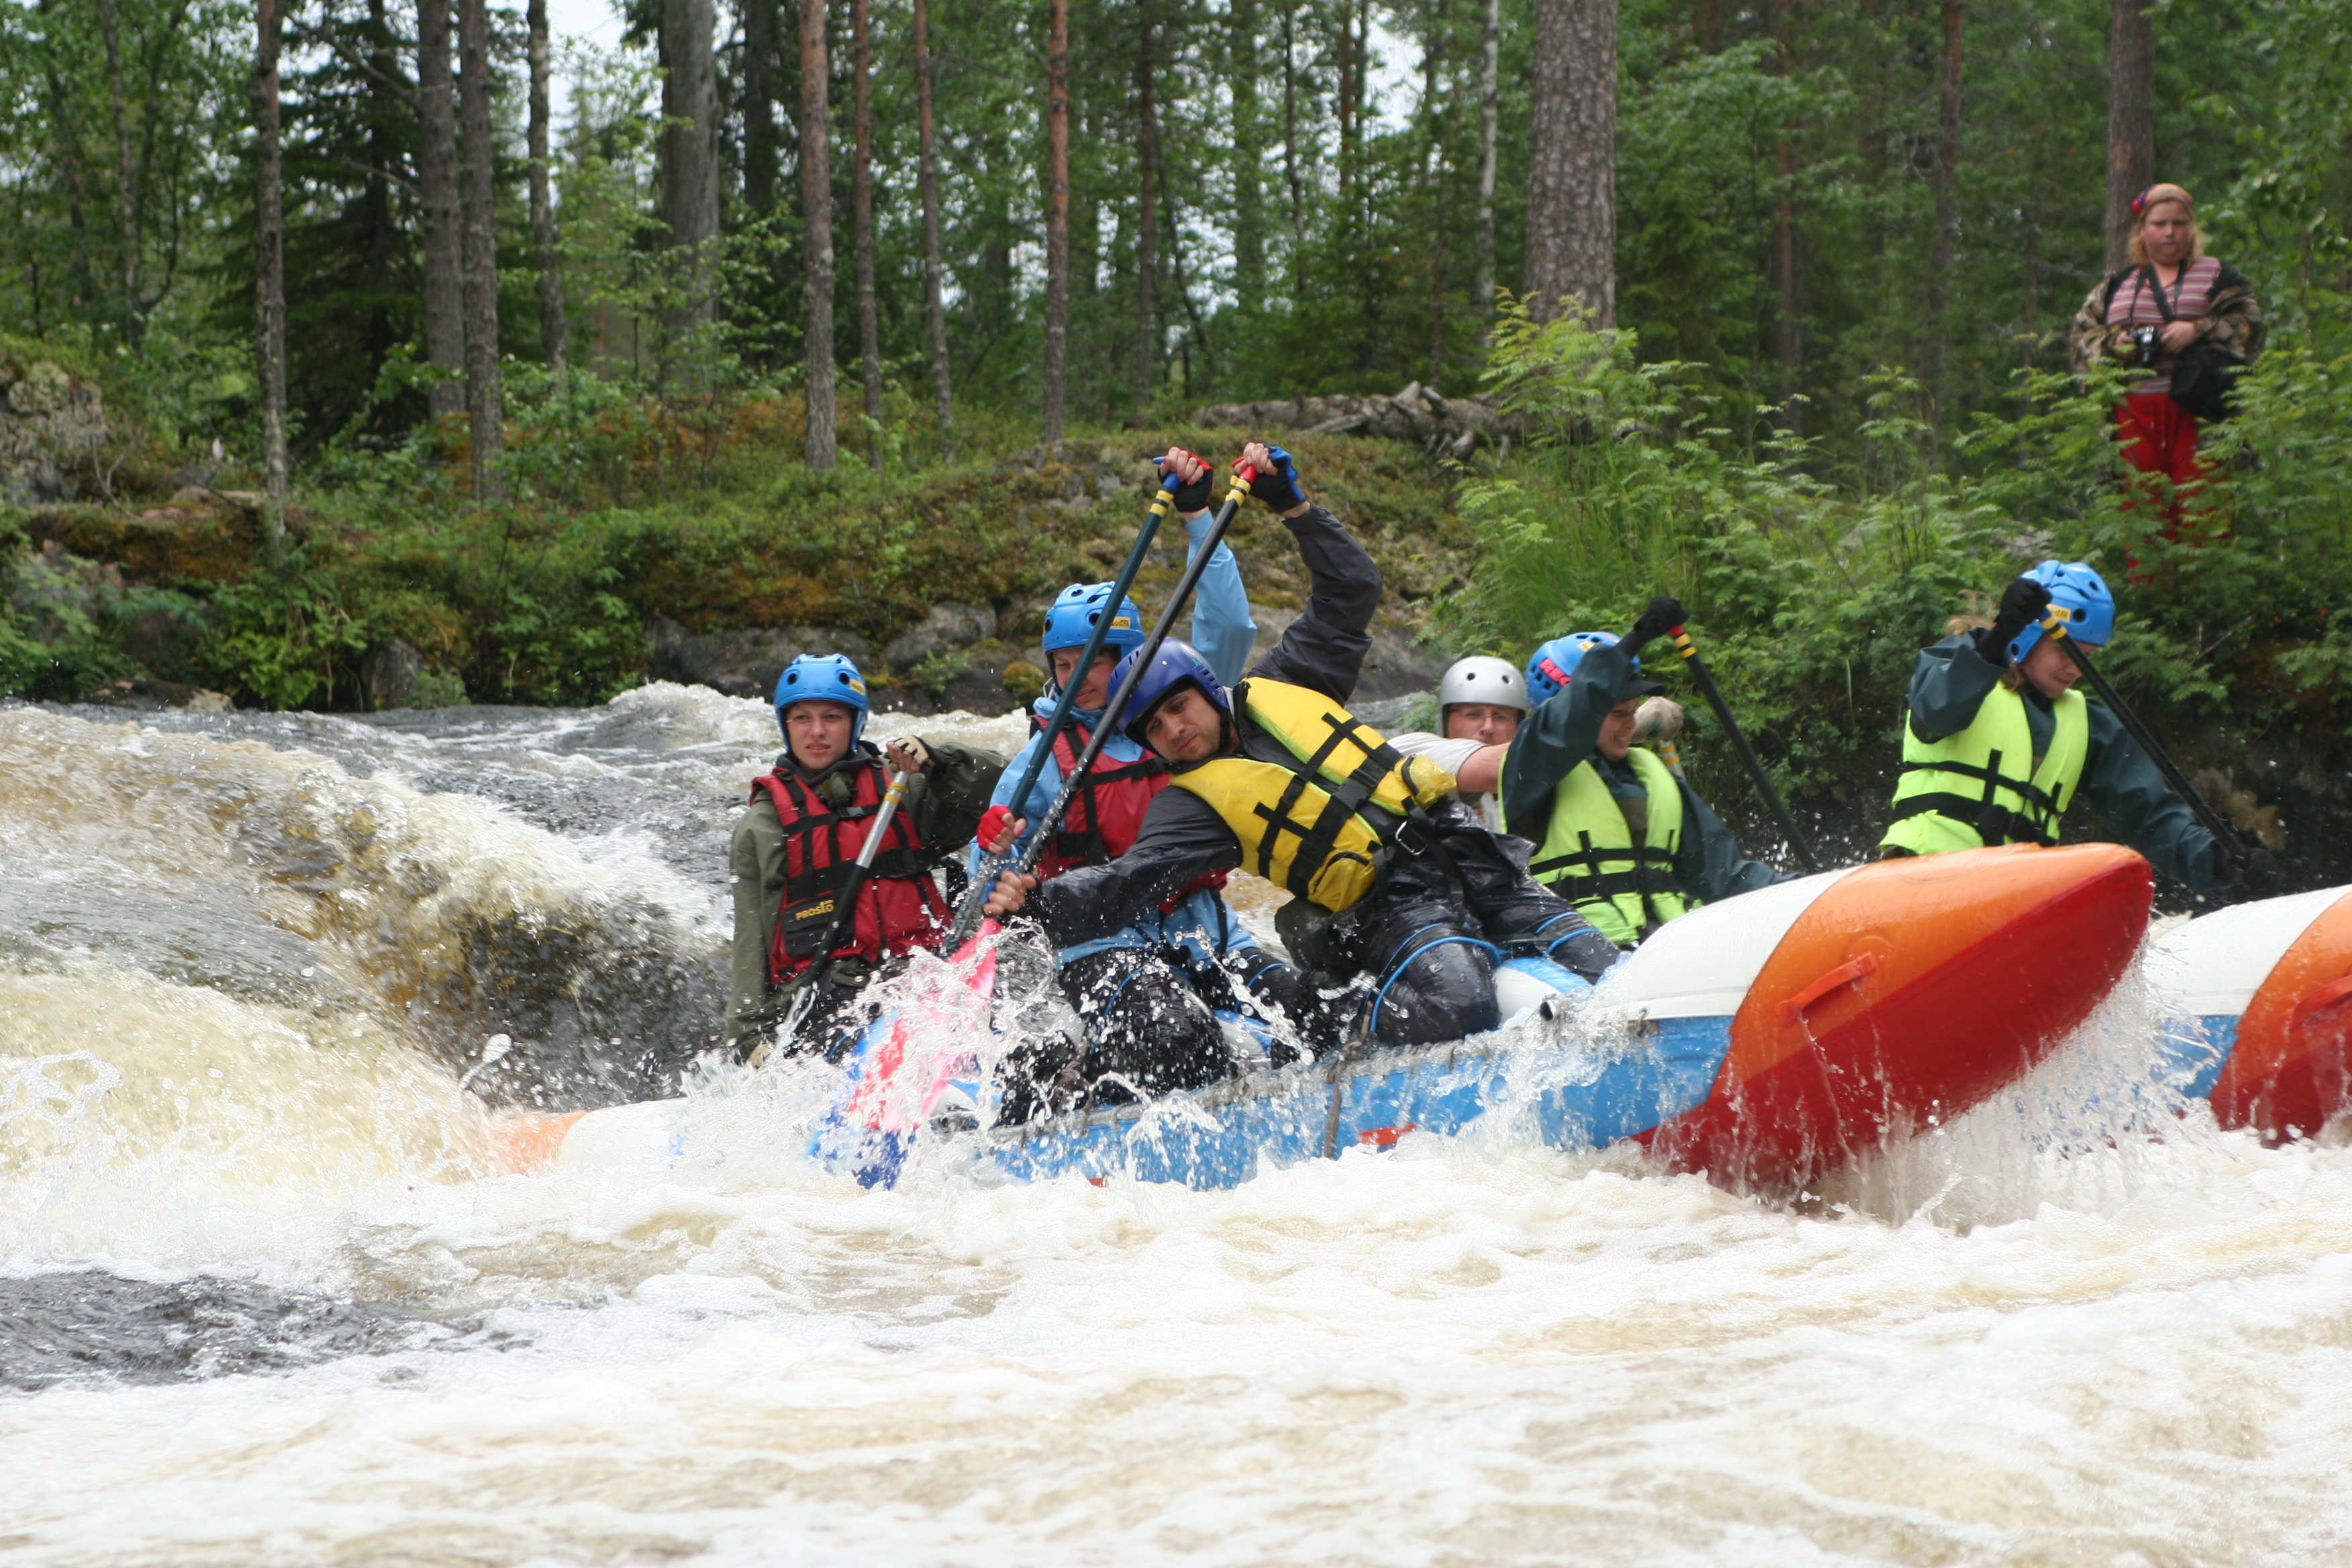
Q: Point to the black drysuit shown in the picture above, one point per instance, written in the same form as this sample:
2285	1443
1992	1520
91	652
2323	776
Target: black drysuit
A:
1429	932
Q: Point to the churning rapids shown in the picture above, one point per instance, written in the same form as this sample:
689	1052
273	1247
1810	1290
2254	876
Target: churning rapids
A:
264	1301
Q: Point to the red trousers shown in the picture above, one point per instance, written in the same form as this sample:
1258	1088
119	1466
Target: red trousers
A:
2160	439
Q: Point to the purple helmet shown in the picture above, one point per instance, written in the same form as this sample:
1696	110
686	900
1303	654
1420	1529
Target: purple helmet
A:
1177	664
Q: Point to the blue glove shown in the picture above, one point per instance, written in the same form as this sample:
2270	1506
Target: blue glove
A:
1278	486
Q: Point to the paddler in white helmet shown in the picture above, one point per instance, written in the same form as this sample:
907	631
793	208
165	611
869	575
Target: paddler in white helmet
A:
1481	702
1619	833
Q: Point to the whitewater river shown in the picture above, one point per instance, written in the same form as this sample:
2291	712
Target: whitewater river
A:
264	1299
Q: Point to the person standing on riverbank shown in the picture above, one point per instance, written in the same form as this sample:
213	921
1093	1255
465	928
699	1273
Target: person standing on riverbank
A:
2189	322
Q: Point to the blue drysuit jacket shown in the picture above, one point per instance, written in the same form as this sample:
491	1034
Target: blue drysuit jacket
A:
1224	632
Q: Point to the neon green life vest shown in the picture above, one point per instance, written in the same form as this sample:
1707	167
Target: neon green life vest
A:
1297	825
1967	790
1589	856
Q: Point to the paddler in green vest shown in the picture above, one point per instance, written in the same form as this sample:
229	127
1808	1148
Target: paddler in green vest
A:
1997	742
1617	832
1402	903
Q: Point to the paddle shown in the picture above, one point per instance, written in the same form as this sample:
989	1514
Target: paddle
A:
1700	672
2055	627
1138	662
844	906
967	917
869	1108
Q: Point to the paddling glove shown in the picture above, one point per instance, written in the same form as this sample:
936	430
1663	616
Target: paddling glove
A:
1278	485
1664	615
2023	603
2260	874
1193	495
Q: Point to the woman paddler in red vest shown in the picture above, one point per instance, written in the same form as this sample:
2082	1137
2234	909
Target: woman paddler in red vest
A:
1148	990
794	844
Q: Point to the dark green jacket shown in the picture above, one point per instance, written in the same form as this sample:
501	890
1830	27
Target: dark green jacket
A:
1566	730
944	804
1950	682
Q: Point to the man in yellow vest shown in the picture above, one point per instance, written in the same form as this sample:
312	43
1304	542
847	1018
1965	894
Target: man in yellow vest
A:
1998	744
1618	833
1402	902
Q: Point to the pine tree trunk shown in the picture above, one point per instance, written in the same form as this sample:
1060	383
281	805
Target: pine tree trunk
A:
869	320
822	445
1432	52
542	205
1147	221
1788	248
1343	101
1292	173
484	407
1054	375
383	233
1489	116
1947	165
928	179
1573	160
690	161
436	179
2131	121
269	279
1248	153
758	107
126	180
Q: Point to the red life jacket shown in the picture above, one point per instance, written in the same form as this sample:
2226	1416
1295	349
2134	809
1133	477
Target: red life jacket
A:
1107	812
898	909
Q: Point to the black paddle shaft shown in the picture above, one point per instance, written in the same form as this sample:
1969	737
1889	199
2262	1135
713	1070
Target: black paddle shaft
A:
967	916
845	905
1700	672
2235	851
1142	657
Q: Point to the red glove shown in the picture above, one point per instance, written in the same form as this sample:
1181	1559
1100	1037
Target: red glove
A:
995	825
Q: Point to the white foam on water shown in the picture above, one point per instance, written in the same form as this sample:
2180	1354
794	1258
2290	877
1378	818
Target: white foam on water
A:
2070	1328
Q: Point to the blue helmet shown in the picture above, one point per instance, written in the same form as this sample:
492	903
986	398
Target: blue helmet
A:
1548	670
1075	610
824	678
1177	664
2083	593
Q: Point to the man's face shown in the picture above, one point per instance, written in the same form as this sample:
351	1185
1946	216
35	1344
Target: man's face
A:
818	733
1617	730
2051	669
1094	690
1488	723
1186	728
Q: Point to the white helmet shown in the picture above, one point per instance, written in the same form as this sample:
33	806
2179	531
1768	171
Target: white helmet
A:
1480	678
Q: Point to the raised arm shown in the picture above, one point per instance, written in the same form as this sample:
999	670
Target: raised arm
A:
1324	648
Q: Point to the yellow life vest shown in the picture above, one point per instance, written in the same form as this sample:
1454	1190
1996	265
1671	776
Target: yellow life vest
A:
1968	790
1298	823
1588	856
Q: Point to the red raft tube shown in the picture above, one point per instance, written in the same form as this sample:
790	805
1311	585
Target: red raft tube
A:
1762	1040
1894	997
2267	988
